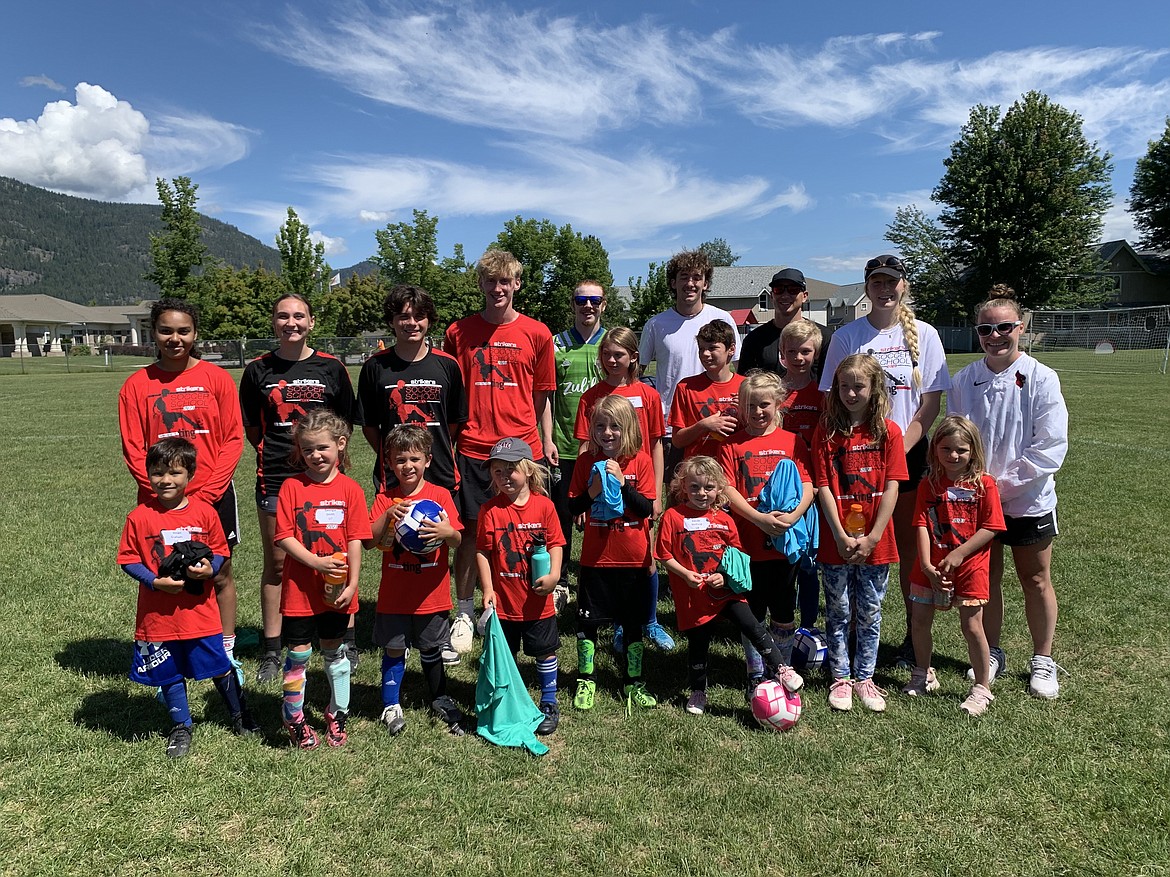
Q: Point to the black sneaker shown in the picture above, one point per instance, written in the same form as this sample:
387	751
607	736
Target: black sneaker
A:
243	725
179	741
552	718
449	714
269	670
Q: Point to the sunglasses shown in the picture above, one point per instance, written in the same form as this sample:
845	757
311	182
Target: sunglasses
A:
885	262
594	300
986	329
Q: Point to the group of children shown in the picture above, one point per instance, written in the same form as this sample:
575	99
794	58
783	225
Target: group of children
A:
759	451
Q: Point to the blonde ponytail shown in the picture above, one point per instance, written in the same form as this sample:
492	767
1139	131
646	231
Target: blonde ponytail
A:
910	335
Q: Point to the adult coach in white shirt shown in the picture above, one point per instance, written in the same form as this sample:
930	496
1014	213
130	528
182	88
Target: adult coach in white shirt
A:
668	338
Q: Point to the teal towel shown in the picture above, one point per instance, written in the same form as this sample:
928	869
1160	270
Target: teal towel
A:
609	503
737	570
505	714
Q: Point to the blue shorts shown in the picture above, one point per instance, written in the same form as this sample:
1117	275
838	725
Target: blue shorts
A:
159	664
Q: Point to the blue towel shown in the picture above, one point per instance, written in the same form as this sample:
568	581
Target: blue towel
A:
504	712
782	493
609	503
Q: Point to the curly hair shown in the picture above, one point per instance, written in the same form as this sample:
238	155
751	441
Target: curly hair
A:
836	417
698	466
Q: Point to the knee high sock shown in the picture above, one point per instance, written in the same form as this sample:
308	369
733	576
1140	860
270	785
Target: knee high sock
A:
546	676
337	669
634	653
294	684
586	650
434	674
393	669
698	648
229	690
229	646
652	615
175	698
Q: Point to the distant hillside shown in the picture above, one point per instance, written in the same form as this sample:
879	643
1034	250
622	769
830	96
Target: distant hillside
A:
93	252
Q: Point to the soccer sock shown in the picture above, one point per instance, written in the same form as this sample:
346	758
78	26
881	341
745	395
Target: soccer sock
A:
652	615
175	697
634	662
433	673
228	687
294	684
393	669
272	645
466	607
546	677
586	649
350	638
337	670
229	646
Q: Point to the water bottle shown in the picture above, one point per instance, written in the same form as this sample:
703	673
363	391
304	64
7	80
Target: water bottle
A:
335	581
855	521
539	560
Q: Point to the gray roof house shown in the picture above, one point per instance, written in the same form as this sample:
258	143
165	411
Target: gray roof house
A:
41	325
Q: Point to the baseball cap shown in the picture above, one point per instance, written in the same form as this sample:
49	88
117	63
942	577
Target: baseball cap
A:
789	275
510	450
891	266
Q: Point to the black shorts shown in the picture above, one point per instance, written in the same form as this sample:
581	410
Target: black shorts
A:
427	633
915	465
298	629
539	637
475	486
613	595
229	515
266	504
1028	531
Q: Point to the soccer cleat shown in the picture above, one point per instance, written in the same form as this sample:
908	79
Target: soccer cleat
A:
462	633
998	665
921	682
638	696
446	712
552	718
619	640
977	701
789	678
269	670
697	703
449	656
753	683
1042	682
659	638
178	741
243	725
586	691
871	697
302	736
393	719
841	694
335	728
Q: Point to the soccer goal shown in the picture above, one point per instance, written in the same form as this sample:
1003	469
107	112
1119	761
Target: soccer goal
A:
1119	340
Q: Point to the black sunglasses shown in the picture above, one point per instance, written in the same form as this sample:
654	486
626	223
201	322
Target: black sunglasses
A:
885	262
587	299
986	329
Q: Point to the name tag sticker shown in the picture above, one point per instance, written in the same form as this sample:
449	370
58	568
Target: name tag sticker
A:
694	525
334	517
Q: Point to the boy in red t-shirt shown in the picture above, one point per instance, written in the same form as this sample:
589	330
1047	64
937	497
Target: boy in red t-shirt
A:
414	598
705	408
178	633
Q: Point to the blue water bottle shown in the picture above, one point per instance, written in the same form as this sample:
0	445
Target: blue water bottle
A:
539	560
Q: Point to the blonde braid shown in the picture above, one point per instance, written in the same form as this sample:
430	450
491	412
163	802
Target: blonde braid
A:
910	334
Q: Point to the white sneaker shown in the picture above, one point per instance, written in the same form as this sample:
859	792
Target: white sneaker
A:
841	694
462	633
998	663
1043	682
449	656
977	701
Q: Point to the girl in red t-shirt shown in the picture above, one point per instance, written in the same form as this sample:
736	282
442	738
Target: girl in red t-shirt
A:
956	517
615	551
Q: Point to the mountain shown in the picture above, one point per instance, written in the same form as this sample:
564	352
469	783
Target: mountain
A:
94	252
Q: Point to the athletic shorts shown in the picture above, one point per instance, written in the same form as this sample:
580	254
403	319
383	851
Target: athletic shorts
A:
1028	531
915	465
229	515
924	594
539	637
613	595
266	504
475	486
427	633
163	663
296	630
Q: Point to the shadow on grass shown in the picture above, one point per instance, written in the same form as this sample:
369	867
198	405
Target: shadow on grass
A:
96	657
126	716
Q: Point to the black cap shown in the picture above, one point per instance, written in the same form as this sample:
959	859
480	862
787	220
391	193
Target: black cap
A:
789	275
891	266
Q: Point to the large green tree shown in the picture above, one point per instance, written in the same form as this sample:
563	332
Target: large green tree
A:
1024	196
236	302
177	251
354	307
302	262
718	252
935	277
1149	197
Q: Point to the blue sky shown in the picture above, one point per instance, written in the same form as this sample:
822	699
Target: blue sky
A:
794	133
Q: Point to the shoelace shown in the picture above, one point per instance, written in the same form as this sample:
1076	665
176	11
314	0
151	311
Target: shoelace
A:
1047	669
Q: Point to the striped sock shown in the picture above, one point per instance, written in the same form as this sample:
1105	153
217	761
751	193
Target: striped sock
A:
337	669
546	676
294	684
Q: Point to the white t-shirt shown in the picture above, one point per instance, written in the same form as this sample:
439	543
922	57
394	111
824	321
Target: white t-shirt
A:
669	340
888	346
1023	420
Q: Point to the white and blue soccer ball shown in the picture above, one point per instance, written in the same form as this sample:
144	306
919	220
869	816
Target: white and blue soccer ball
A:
407	528
809	649
775	707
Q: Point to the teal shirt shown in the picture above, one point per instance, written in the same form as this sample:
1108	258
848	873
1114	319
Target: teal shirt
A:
577	371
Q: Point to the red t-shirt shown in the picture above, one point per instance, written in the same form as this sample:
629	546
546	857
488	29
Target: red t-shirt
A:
802	411
697	397
200	405
697	541
856	469
147	537
952	514
324	518
503	366
645	400
415	584
623	541
748	462
505	532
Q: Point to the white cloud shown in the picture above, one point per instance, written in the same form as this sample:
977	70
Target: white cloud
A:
1119	224
186	144
333	246
840	264
379	216
43	81
888	202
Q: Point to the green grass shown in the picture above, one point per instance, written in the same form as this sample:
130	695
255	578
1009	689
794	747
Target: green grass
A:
1077	786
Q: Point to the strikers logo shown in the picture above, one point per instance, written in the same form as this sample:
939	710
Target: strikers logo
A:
180	412
416	403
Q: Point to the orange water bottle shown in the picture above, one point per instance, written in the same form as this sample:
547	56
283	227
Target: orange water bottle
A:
855	521
335	579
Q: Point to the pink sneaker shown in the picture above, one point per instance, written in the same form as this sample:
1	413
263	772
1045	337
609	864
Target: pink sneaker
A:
841	694
789	678
335	728
871	697
302	736
977	701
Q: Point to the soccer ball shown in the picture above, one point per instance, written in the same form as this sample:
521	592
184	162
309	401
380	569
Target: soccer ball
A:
774	706
809	649
407	528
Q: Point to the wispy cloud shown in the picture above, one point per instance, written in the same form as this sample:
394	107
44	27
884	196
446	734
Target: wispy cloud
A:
185	144
42	81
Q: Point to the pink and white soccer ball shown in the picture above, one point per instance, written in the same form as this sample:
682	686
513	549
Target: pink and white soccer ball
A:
774	706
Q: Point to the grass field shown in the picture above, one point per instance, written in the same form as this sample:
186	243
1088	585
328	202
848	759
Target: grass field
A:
1076	786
